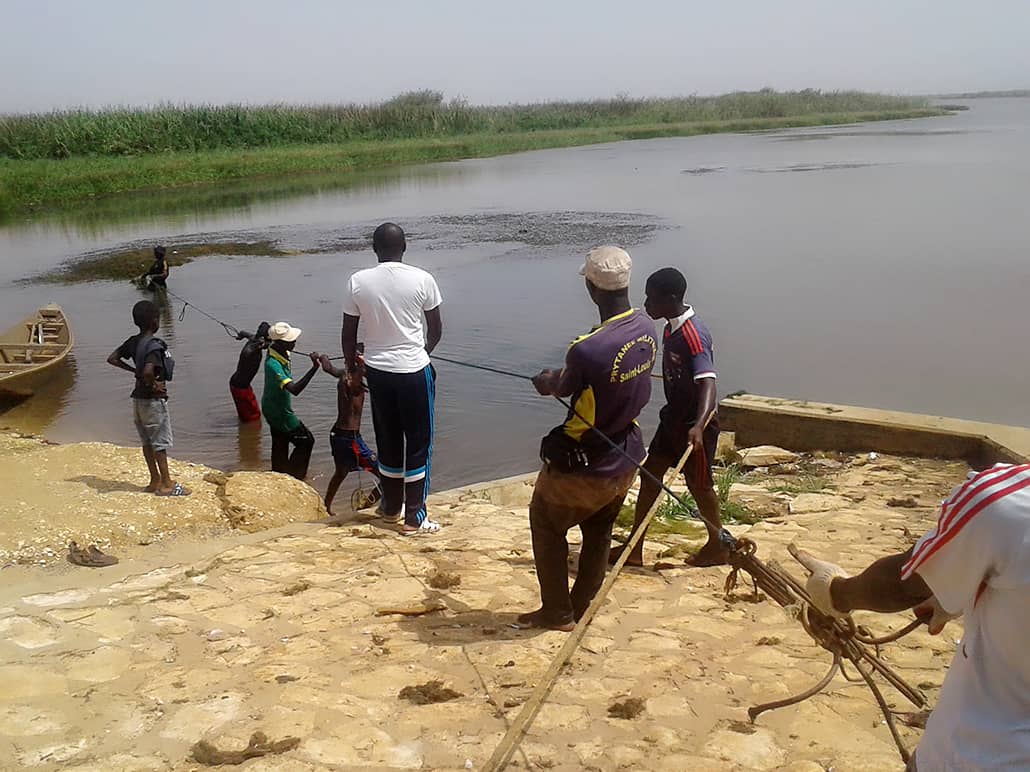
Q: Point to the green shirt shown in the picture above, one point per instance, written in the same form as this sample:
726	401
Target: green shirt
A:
276	402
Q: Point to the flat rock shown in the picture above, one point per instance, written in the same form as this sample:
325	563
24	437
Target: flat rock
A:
760	500
765	455
28	632
808	503
757	750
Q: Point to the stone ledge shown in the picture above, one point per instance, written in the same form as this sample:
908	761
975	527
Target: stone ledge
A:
805	426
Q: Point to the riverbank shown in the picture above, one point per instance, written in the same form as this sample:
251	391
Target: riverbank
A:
337	636
92	493
36	185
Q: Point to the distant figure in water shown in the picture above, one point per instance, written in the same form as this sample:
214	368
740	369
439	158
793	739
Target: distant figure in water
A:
157	276
349	449
250	362
277	404
152	366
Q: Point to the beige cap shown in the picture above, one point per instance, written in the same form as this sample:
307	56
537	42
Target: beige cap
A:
608	268
283	331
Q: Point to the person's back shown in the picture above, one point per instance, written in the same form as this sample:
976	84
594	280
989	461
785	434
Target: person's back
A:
391	299
977	561
610	368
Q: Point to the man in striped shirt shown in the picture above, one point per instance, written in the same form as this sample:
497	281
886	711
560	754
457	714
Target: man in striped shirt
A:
974	563
687	419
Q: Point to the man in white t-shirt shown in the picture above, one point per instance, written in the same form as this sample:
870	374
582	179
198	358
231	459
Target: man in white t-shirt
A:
398	308
974	563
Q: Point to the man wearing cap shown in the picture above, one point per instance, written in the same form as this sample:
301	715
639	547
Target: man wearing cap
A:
276	403
398	307
583	481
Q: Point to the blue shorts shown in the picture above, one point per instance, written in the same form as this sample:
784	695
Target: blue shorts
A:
350	451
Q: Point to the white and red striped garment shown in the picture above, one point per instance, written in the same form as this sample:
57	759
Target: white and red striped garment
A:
977	562
967	501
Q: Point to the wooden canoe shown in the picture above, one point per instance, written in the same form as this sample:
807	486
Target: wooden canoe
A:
34	349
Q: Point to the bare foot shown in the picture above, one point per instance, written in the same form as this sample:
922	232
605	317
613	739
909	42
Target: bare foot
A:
712	554
536	619
152	487
616	552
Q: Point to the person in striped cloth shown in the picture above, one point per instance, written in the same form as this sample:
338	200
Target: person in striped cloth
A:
688	417
974	563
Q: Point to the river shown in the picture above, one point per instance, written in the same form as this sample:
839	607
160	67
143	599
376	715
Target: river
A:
882	265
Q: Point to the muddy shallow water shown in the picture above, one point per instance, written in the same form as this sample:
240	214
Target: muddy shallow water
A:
883	265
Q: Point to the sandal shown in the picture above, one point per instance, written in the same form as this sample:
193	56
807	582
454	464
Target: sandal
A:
428	526
90	557
177	490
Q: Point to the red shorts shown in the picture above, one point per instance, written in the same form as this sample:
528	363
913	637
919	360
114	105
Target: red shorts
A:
246	404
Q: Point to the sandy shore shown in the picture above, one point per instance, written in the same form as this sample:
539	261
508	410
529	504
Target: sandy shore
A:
283	632
92	493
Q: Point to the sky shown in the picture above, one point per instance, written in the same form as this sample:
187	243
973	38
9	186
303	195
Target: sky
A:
73	53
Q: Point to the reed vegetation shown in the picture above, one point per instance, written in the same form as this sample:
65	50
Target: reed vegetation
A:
65	157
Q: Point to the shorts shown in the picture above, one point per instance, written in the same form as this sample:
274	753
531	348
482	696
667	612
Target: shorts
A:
246	403
670	442
350	451
153	423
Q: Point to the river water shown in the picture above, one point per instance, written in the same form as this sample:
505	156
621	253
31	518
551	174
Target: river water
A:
882	265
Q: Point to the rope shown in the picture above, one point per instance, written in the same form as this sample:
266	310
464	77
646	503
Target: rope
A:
841	637
232	331
725	535
509	743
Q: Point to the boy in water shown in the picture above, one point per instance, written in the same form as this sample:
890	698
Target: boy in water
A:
157	276
250	362
349	449
277	403
150	396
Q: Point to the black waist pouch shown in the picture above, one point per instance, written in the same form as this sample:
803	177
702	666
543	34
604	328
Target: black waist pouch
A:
564	454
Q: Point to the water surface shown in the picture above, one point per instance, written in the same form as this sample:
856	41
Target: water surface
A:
881	265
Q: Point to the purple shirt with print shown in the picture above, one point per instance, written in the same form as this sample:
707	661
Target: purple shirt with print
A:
608	375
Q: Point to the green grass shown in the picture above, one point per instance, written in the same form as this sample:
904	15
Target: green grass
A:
676	516
802	484
64	159
413	115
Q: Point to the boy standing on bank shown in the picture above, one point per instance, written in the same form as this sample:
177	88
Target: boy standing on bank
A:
350	452
688	418
277	403
152	367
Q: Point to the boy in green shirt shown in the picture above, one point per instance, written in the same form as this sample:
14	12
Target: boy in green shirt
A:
276	403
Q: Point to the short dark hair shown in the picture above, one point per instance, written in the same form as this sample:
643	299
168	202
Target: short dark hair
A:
388	240
668	281
262	330
159	252
145	314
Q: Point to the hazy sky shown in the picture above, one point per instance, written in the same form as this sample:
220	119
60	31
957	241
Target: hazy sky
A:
104	52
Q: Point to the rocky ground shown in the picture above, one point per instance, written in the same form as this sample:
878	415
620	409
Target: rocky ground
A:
91	492
334	635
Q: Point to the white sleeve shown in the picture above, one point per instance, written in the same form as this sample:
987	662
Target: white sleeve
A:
954	568
432	294
977	530
350	302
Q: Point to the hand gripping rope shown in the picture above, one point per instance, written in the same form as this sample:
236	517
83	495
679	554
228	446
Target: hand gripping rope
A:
841	637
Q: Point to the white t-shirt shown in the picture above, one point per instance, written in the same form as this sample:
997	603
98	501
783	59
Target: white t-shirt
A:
977	561
391	299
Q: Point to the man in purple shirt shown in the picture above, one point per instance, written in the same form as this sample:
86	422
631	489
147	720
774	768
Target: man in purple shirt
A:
583	480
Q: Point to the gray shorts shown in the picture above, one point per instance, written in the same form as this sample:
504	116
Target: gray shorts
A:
153	423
